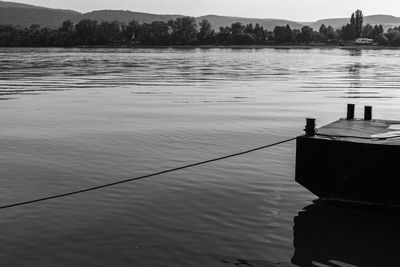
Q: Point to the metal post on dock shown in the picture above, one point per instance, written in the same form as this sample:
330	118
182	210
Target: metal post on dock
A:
310	127
368	113
350	111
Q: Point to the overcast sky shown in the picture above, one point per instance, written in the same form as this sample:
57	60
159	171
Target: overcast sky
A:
299	10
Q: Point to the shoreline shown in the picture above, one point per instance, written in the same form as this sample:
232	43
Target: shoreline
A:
286	46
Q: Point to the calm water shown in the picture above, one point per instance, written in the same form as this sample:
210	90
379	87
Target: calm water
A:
75	118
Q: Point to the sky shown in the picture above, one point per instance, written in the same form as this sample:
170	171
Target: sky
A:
298	10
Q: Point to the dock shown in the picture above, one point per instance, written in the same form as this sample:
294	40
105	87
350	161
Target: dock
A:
351	160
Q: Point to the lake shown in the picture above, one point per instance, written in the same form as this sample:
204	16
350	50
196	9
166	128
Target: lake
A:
76	118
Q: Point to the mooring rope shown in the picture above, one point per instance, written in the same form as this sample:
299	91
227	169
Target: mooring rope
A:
144	176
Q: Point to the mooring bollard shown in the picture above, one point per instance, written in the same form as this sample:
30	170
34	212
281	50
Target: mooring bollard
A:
368	113
350	111
310	127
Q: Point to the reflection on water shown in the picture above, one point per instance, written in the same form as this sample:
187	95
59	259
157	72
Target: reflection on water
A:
355	76
337	236
355	52
355	70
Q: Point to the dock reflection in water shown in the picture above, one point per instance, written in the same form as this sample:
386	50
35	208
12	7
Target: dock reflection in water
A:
336	236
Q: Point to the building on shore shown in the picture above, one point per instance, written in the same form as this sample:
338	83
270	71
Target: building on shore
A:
364	41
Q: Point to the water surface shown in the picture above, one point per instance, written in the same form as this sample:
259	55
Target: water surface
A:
75	118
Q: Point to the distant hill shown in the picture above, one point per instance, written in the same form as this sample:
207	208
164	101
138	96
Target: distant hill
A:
216	21
381	19
125	16
386	20
334	22
223	21
25	15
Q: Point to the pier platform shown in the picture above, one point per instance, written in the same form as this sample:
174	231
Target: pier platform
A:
351	160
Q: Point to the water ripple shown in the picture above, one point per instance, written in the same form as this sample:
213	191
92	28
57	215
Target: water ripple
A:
75	118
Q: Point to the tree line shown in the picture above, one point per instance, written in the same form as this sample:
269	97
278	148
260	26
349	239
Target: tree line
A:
185	31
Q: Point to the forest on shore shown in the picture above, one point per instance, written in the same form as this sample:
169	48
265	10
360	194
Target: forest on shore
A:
184	31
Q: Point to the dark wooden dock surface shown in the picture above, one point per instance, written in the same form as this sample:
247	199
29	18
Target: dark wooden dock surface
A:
385	132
